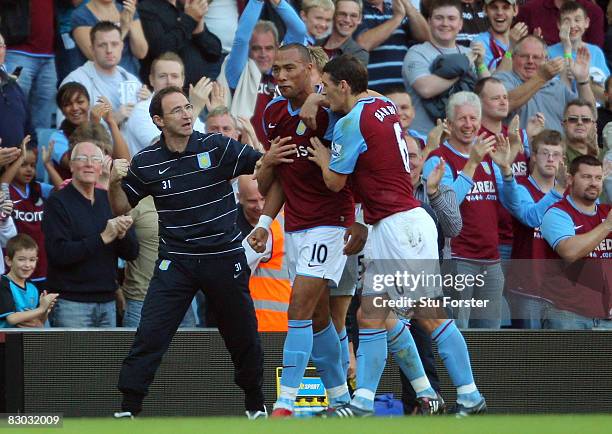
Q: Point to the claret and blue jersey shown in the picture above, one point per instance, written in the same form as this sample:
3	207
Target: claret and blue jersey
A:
368	144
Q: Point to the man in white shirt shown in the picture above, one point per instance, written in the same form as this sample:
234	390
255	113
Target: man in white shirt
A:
103	76
139	131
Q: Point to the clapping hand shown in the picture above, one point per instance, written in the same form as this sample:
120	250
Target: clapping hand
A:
438	134
580	67
514	135
47	152
518	32
535	125
199	94
248	135
434	178
483	146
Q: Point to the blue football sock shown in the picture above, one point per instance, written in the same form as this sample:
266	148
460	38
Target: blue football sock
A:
403	348
371	360
344	347
454	353
296	352
326	356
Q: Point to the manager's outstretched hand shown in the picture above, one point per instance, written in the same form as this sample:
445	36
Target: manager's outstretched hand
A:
258	239
120	170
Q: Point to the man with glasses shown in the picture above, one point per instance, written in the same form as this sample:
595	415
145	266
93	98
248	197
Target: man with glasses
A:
83	241
532	86
579	129
347	16
529	250
188	175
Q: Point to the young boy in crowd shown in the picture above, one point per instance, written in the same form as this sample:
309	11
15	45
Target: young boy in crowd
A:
573	23
20	303
317	15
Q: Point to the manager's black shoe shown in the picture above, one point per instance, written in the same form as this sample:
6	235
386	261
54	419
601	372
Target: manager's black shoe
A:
257	414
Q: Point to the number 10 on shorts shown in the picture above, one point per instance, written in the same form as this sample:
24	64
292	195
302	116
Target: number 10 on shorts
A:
319	253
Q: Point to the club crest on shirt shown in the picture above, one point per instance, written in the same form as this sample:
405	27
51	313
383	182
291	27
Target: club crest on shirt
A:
486	167
301	128
203	160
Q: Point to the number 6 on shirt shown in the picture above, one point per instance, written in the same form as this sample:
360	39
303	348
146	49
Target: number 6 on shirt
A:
402	145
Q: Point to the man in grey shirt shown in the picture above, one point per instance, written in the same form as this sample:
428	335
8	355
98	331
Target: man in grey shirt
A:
444	24
533	87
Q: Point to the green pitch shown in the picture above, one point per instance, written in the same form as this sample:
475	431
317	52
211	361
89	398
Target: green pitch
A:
553	424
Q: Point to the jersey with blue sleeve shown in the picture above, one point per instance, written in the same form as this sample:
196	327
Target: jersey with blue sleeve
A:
14	298
368	144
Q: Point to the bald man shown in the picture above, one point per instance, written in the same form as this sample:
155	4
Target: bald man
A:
250	207
269	283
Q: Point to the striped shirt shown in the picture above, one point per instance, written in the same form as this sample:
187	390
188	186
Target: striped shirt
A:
192	193
385	66
444	205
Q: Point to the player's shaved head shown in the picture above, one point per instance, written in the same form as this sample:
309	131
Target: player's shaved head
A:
303	51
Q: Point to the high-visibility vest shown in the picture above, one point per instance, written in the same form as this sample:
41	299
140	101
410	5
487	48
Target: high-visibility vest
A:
270	286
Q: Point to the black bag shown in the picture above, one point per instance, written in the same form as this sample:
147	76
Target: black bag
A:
15	21
449	66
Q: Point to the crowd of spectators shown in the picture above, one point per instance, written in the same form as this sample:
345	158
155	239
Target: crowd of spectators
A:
77	78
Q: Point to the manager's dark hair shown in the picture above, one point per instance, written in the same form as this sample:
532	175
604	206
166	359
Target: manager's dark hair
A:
155	109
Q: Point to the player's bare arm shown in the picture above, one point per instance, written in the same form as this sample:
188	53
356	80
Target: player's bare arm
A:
321	155
355	238
579	246
310	108
116	196
275	198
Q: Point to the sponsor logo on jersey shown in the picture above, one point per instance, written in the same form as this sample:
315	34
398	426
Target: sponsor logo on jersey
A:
28	216
204	160
519	168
